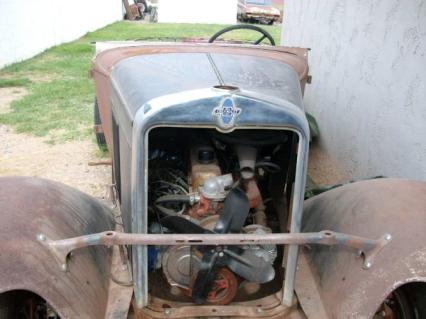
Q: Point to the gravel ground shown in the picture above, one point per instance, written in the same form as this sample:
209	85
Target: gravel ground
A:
322	169
27	155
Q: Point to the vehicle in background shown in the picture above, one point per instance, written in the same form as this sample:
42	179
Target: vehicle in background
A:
260	11
140	8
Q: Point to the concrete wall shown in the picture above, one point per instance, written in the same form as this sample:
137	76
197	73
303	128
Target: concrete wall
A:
368	63
198	11
30	27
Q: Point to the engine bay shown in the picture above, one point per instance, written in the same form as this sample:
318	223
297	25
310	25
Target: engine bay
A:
202	181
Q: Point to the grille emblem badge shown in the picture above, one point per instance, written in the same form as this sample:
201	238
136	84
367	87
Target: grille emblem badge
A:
226	113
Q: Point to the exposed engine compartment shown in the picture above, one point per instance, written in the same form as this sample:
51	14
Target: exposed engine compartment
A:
217	183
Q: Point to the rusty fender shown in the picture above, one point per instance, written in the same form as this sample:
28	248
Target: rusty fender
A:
30	206
366	208
369	248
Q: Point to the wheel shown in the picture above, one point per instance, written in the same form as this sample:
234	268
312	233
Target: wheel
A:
100	137
24	304
142	8
265	34
8	307
153	17
406	302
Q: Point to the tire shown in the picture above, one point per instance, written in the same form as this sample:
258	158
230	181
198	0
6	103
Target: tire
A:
153	17
142	9
416	293
8	307
406	302
24	304
100	137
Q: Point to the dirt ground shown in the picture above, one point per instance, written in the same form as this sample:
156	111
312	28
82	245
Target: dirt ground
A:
322	169
7	95
27	155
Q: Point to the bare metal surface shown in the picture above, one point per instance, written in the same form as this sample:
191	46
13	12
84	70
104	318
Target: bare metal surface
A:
120	290
267	307
62	248
217	311
367	208
179	264
33	206
308	291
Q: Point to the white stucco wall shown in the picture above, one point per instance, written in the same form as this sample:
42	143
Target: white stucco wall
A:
29	27
368	63
197	11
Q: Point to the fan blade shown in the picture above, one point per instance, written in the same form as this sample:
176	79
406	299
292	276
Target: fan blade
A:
249	266
235	211
182	225
205	277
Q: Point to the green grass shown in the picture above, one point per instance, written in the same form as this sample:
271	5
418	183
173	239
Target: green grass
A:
4	83
60	96
178	32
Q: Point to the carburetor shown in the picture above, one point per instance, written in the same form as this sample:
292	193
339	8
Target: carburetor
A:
206	179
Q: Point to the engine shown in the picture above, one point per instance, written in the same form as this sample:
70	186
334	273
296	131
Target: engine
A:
217	184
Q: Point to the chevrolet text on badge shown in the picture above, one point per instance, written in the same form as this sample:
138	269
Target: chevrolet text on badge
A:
226	113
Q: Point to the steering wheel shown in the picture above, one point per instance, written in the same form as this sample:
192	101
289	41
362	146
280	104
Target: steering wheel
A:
265	34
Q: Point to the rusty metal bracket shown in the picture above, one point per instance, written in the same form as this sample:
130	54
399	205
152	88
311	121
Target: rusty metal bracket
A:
367	248
97	128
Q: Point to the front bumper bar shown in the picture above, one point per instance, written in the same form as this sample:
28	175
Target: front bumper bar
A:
365	247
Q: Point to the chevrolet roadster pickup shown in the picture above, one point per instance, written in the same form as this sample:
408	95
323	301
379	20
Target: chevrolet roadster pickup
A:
209	145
